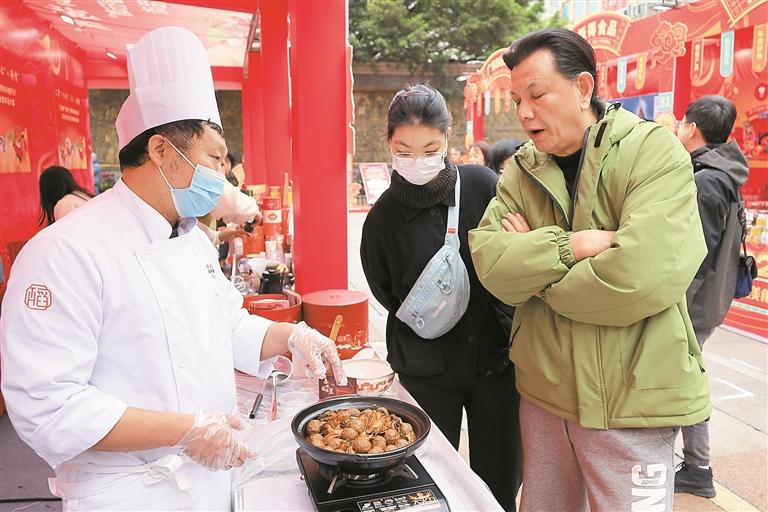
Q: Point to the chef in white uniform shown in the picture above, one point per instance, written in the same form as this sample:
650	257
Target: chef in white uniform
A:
119	332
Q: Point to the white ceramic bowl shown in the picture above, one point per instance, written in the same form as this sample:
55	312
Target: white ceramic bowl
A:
373	376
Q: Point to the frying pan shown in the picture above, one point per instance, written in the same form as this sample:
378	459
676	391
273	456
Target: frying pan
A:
357	463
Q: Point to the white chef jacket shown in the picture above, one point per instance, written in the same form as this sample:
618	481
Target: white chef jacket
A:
103	311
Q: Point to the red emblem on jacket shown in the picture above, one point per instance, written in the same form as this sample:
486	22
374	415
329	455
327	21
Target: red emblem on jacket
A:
38	297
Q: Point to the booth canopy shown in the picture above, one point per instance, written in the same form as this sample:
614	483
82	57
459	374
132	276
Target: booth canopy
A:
105	29
290	59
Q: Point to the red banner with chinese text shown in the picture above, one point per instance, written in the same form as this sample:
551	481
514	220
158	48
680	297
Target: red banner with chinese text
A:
747	89
666	33
16	115
39	126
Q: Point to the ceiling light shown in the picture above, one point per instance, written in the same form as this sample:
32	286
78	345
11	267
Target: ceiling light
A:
666	5
67	19
111	55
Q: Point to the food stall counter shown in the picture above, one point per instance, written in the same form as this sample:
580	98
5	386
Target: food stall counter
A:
278	484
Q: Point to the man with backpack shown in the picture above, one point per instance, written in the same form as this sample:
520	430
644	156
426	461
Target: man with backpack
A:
720	170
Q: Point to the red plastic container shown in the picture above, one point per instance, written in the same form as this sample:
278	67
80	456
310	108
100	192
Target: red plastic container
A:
321	308
272	215
254	244
290	314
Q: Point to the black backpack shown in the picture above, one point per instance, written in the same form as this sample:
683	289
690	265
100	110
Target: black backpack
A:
747	270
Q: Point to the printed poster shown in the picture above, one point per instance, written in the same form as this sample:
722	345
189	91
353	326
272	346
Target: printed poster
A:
71	123
14	116
375	180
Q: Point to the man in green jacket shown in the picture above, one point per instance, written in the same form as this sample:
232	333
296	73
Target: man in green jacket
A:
594	235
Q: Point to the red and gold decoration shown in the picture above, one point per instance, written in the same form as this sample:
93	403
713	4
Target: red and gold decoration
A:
44	117
605	31
697	59
668	42
640	75
739	9
602	78
760	48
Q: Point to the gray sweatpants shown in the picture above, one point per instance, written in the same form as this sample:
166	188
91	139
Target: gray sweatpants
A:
567	467
696	437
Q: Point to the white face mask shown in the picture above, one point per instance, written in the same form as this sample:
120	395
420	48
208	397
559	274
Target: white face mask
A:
419	171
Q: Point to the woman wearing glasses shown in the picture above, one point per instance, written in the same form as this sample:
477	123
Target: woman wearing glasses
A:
466	367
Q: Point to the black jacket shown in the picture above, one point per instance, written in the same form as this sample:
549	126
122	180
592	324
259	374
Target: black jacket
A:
396	245
720	170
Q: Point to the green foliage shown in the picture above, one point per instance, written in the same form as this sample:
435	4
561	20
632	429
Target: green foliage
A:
426	34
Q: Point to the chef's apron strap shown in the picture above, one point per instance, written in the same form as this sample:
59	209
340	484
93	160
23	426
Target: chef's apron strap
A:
166	469
88	488
163	469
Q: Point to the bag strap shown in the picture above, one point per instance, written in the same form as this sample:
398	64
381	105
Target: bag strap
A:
742	213
453	211
740	208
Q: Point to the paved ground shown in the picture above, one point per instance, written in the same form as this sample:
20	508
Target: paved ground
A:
737	368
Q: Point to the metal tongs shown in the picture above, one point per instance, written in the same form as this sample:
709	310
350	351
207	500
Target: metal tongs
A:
282	370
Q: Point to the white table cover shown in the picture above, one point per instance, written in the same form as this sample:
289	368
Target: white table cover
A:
274	483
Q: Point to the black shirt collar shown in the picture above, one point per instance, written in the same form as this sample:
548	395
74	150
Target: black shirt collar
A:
409	213
411	199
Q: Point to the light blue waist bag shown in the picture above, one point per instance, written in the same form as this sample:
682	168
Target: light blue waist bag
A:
440	296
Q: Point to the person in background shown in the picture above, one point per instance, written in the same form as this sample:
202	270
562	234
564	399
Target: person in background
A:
478	153
227	165
501	153
234	209
466	367
237	174
229	161
456	155
60	194
594	235
96	173
227	220
720	170
219	233
120	335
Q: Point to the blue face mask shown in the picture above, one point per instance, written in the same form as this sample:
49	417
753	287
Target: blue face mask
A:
202	195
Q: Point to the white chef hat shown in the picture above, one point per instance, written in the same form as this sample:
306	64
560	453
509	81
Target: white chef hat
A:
170	80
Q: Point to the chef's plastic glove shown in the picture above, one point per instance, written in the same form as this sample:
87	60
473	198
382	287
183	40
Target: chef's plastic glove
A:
316	348
211	442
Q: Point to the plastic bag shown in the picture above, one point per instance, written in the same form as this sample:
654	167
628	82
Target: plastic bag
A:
275	446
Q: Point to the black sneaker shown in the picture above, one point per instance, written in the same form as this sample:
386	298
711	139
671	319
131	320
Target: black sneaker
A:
694	480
